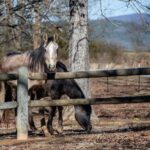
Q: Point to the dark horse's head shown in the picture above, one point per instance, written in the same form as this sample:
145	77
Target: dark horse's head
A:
45	55
72	89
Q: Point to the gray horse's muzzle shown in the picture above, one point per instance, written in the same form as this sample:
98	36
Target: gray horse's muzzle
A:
52	67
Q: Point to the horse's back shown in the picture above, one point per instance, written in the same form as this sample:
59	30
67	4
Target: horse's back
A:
12	61
12	53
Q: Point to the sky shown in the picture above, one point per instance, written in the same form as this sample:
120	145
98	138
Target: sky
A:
113	8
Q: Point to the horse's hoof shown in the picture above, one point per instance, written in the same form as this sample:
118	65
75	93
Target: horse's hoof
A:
47	134
51	132
60	130
45	131
57	132
33	129
37	132
88	130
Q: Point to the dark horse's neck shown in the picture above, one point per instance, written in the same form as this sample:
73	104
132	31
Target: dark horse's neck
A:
61	67
67	86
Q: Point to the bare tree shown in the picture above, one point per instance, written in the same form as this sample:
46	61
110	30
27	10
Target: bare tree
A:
36	26
78	44
13	31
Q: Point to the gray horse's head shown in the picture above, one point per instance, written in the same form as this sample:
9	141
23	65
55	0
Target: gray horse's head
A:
51	52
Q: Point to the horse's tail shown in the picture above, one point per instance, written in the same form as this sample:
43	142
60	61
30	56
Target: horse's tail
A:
2	98
83	116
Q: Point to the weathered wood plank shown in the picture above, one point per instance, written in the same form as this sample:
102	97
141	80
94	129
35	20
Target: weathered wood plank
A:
6	77
8	105
92	101
91	74
81	74
22	99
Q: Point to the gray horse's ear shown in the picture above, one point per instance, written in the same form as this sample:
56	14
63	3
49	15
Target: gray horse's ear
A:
44	39
55	37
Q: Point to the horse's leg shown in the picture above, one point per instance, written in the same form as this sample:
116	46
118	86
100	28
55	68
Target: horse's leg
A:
60	119
31	121
32	96
50	119
43	123
2	98
6	96
14	98
5	117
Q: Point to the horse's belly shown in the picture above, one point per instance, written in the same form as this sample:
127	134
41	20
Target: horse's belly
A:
32	83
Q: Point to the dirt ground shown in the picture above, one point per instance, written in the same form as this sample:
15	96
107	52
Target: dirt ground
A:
122	126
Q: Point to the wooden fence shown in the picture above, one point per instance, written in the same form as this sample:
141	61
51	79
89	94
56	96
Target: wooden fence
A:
23	101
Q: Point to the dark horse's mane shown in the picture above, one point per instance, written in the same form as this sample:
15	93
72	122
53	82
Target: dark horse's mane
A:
36	56
62	68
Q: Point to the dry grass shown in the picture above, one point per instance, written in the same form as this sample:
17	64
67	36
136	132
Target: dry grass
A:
125	60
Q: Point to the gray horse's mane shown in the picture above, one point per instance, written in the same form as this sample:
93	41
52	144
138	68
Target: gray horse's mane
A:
36	57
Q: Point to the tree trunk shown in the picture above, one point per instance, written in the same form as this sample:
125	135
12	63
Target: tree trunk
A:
36	26
12	20
78	46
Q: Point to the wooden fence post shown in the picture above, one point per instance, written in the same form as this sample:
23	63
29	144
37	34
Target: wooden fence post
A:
22	99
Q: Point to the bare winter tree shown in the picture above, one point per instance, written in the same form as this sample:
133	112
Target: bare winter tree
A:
13	30
36	26
20	22
78	44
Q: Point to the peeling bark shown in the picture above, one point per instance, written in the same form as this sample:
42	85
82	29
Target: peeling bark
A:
78	46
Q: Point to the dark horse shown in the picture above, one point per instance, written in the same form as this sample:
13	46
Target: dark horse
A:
55	89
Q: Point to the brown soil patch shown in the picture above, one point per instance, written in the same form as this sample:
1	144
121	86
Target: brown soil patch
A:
123	126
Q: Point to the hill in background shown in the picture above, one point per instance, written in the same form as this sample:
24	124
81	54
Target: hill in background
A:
132	32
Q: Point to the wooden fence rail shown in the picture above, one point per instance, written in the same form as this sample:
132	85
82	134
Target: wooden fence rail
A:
91	101
91	74
80	74
46	102
8	105
22	92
